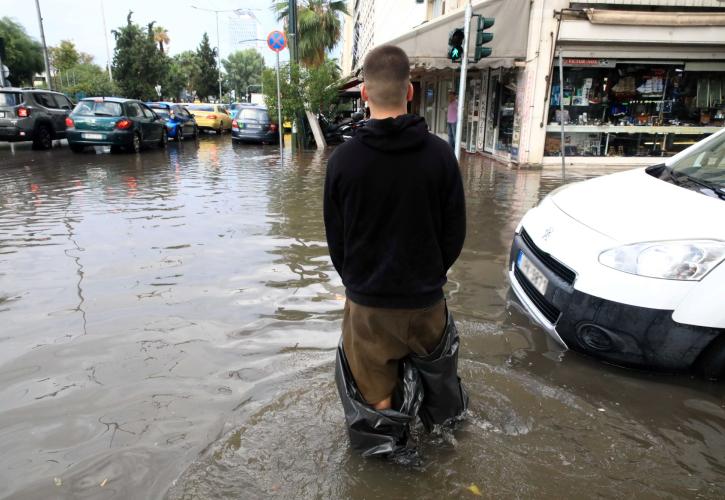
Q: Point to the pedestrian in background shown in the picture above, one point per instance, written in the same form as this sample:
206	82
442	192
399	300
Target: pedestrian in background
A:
452	118
395	220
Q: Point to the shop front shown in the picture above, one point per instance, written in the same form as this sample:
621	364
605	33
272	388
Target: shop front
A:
632	92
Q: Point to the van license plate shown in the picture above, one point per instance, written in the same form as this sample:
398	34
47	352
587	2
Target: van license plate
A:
97	137
532	273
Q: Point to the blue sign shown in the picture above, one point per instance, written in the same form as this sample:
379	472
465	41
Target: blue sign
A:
277	41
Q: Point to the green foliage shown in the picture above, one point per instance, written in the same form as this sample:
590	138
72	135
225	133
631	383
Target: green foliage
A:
206	81
318	25
243	68
64	56
86	80
138	65
23	55
316	90
181	75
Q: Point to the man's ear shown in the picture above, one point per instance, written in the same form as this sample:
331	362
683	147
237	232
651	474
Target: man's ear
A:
364	92
409	95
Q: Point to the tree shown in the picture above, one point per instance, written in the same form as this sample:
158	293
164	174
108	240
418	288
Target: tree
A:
207	79
317	90
182	73
87	80
243	68
161	36
318	25
64	56
23	55
138	64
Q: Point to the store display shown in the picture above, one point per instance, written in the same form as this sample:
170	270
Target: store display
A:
635	109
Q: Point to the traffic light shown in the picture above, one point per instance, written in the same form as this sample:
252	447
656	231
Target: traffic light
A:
483	37
455	44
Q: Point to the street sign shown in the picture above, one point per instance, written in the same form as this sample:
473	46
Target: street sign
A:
277	41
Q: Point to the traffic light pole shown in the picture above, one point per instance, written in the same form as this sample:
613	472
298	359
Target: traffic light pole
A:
462	83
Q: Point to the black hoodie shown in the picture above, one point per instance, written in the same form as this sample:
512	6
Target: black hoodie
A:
395	215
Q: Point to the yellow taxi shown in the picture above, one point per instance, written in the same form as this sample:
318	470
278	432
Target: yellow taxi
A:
210	117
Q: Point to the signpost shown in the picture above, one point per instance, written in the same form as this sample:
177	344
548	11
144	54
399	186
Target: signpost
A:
277	42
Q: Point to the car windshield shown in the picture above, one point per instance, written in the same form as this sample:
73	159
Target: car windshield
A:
10	98
98	108
200	107
704	167
251	114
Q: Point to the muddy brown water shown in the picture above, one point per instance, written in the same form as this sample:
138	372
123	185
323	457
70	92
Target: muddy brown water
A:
167	329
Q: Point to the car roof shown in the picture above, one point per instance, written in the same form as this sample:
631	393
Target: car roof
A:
163	104
119	100
28	89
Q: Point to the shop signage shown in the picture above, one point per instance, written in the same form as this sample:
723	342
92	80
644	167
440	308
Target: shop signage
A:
589	62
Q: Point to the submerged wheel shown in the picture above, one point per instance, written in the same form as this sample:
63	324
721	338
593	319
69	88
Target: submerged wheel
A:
164	139
711	363
196	132
179	134
136	143
43	138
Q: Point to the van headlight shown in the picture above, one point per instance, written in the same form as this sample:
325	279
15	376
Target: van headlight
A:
672	260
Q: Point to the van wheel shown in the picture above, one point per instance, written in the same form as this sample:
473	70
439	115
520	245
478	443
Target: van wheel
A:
711	363
43	138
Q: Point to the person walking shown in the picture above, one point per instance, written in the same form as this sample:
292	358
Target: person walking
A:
452	117
395	221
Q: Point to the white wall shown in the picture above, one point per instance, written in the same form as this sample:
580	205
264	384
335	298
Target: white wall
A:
395	18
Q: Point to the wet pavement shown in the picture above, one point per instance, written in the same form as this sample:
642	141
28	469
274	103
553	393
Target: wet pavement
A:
168	329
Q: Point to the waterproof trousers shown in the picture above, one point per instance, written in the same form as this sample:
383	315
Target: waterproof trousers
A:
429	387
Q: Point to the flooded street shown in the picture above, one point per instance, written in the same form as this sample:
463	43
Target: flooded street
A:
168	324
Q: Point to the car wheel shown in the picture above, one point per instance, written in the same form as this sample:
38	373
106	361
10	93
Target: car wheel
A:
135	143
77	148
179	134
711	363
220	130
196	132
43	138
164	138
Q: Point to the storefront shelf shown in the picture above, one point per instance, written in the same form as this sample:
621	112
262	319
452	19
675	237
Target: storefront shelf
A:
633	129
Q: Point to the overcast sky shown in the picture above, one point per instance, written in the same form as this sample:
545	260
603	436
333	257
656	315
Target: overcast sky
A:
81	21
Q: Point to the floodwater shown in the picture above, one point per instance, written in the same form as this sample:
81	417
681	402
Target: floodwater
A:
168	323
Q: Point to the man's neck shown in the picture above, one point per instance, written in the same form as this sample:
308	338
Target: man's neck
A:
382	114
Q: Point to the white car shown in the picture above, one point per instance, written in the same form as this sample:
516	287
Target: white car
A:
629	267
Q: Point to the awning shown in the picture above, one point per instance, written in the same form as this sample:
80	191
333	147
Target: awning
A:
582	38
427	44
655	18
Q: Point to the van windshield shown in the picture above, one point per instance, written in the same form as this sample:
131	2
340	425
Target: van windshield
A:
98	108
704	167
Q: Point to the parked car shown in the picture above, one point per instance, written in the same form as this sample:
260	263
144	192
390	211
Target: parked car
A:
211	117
111	121
33	115
253	124
179	122
629	267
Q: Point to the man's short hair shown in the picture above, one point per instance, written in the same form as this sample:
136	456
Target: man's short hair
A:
386	73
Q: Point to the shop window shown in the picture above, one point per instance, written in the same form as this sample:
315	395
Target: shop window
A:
619	108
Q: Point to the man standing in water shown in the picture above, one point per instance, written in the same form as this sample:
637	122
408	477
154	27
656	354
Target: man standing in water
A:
395	221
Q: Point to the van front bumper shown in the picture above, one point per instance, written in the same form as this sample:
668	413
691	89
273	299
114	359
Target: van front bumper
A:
618	333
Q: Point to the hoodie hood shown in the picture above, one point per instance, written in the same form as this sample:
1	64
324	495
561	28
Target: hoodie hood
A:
401	133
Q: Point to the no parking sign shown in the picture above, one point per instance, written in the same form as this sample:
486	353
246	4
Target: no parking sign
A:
277	41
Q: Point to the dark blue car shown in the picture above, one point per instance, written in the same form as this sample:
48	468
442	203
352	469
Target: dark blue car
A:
179	122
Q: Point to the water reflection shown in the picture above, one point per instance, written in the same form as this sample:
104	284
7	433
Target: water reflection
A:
169	323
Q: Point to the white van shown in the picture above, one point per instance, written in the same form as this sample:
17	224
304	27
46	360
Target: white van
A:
629	267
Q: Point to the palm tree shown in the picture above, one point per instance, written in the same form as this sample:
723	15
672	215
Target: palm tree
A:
318	26
161	36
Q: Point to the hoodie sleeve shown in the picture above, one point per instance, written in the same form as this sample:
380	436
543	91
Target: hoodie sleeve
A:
454	214
332	213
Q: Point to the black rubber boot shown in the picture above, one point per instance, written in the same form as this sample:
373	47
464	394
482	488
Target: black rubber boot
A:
376	433
444	399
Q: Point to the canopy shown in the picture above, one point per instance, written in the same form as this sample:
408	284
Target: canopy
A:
427	44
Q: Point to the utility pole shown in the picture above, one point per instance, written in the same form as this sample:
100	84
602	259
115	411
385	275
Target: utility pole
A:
218	46
2	67
294	59
105	39
462	82
45	48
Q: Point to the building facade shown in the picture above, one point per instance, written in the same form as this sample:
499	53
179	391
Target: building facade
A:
641	78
